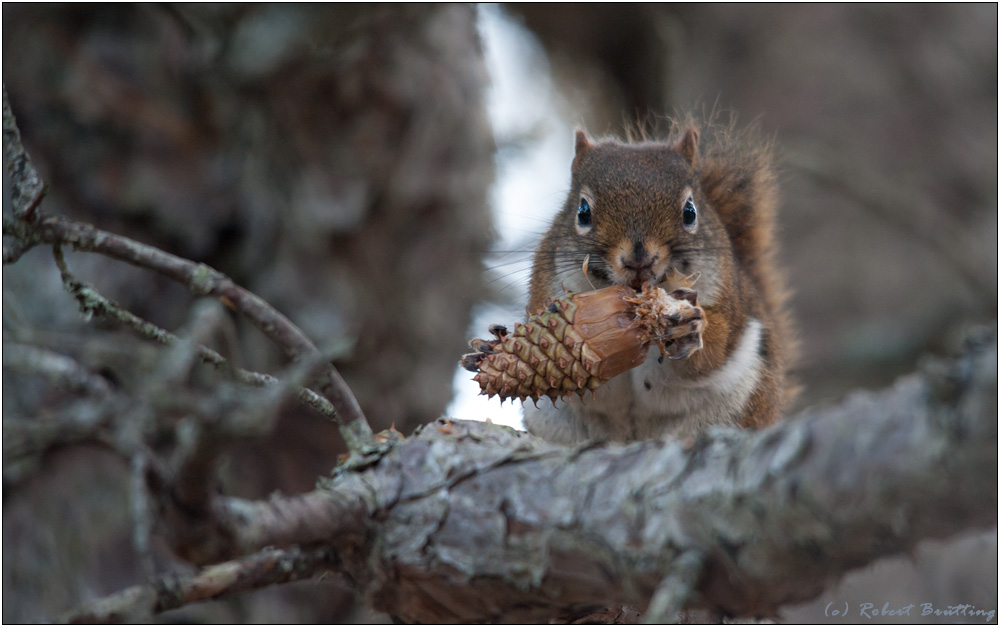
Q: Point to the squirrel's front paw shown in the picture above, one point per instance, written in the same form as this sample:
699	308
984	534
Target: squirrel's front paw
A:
687	323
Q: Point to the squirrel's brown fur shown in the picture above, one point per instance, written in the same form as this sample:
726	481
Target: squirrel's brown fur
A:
627	217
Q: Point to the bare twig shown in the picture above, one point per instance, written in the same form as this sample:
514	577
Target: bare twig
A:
142	516
27	189
201	438
268	567
202	280
204	319
30	229
59	368
14	250
80	421
93	302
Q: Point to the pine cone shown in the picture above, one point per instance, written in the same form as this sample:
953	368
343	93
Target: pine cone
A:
584	340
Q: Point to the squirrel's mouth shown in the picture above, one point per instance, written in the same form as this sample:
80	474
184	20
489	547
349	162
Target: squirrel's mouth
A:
652	273
642	277
636	277
637	263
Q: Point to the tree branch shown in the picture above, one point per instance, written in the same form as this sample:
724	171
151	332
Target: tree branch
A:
27	189
80	421
54	366
471	522
15	249
30	229
271	566
93	302
235	526
202	280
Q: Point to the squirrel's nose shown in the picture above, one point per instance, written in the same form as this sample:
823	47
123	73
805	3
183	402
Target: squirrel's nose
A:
639	265
639	257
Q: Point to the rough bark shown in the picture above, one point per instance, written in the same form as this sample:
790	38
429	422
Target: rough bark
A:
475	530
471	522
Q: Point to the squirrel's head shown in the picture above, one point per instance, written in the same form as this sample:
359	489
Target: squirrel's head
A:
638	211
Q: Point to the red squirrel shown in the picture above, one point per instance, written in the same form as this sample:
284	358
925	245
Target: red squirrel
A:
703	206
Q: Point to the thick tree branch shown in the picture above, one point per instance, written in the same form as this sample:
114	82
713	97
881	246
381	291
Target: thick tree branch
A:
237	526
472	522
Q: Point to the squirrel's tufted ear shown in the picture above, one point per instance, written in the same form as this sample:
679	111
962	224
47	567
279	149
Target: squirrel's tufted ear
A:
688	146
582	142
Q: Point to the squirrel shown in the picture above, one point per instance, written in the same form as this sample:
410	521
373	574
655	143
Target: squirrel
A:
702	206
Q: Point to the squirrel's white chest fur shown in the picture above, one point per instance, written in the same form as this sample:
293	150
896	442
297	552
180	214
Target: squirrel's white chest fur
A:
652	400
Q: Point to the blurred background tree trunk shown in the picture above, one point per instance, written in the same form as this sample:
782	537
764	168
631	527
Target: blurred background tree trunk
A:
333	159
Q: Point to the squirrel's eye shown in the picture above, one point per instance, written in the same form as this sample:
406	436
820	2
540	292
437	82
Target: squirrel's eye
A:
690	215
583	217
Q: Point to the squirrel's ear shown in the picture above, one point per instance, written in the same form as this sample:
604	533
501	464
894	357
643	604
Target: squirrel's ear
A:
688	146
582	142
